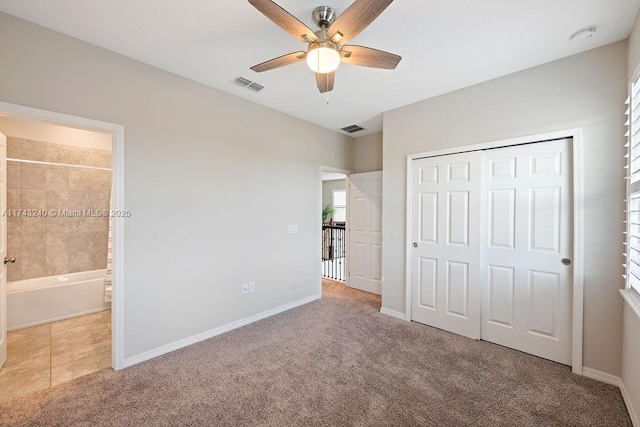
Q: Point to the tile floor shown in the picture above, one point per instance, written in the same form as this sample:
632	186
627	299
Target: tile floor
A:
46	355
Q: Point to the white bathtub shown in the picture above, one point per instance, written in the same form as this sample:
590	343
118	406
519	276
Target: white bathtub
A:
46	299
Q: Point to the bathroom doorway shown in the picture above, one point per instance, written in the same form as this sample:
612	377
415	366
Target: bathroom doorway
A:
60	249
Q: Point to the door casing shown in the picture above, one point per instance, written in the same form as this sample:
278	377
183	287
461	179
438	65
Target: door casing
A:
3	251
578	224
347	172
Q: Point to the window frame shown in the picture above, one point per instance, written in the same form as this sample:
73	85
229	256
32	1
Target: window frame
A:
339	207
631	291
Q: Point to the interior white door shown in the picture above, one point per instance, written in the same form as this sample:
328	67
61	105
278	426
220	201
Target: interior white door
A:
527	232
3	250
365	232
445	247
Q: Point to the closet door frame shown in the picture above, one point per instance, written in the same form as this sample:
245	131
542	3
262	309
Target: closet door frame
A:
578	225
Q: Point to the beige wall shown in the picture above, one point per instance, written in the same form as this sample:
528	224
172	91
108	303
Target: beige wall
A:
53	244
631	320
631	358
585	91
633	55
367	153
212	182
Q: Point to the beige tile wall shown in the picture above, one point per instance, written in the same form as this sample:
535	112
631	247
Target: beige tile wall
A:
46	246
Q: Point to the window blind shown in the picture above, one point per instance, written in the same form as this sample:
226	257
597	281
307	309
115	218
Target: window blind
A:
632	211
633	242
340	205
634	131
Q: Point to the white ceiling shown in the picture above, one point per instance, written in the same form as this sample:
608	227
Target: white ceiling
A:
445	45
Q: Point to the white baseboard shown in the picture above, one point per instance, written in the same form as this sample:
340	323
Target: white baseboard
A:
616	381
133	360
602	377
392	313
635	419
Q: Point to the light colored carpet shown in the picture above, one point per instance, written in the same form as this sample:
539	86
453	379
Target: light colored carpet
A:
336	361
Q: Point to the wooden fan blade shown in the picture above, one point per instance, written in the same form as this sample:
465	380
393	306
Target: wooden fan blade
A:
325	81
369	57
356	18
280	61
284	19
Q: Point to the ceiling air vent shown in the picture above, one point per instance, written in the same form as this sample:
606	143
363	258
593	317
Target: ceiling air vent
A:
247	84
352	129
255	87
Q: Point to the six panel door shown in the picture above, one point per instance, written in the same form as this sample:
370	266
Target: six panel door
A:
491	243
526	228
445	250
365	232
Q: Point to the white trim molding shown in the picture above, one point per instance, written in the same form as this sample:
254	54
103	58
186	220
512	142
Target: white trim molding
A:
576	135
578	251
615	381
347	172
117	189
393	313
633	413
632	300
603	377
159	351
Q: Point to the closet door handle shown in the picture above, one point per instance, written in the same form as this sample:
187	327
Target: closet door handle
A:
8	260
565	261
415	245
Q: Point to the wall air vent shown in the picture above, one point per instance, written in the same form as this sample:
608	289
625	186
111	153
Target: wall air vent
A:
247	84
352	129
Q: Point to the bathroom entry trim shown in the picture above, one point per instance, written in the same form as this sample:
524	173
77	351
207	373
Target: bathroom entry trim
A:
117	185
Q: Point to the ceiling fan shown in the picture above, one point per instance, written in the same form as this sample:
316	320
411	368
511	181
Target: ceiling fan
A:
327	46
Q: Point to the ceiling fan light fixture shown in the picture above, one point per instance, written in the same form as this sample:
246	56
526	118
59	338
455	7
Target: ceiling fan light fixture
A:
323	57
329	45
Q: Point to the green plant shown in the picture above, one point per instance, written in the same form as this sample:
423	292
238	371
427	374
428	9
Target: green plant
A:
327	211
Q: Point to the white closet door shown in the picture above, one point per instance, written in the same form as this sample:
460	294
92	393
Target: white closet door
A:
365	232
526	234
445	247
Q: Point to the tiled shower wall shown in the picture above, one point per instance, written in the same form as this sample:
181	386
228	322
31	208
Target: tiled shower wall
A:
47	246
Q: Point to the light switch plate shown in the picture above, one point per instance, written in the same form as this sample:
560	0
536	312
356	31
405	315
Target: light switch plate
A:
292	229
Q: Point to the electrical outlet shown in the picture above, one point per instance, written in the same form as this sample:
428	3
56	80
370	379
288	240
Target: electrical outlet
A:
245	288
252	286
